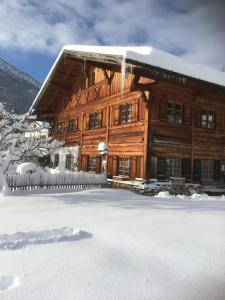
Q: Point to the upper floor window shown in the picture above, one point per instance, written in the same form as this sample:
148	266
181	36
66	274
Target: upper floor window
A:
92	162
125	113
95	120
174	112
124	166
208	119
60	127
69	162
72	125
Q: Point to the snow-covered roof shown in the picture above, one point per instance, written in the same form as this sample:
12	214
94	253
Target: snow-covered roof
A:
148	56
157	58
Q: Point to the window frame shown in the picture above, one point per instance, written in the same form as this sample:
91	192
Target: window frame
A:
206	123
173	167
69	160
92	163
174	112
207	169
74	126
95	120
126	113
124	170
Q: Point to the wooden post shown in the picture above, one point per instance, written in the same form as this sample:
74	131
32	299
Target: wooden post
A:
148	98
192	138
81	139
107	136
146	139
193	133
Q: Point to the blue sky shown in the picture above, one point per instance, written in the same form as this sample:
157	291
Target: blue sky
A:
32	32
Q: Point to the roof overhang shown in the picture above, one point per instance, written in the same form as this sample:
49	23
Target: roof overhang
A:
148	58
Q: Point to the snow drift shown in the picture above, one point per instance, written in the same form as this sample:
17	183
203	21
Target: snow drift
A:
19	240
8	282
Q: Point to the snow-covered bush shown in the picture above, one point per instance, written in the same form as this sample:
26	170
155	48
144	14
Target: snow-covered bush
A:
15	146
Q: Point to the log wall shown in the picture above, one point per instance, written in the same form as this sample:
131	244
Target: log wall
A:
68	98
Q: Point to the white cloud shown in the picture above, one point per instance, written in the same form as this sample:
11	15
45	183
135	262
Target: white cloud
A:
194	28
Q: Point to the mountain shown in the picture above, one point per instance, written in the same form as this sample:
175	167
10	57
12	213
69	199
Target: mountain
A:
17	89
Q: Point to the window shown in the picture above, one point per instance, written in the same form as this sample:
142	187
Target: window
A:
56	160
60	127
124	166
173	167
174	112
208	119
69	162
72	125
92	163
207	170
125	113
95	120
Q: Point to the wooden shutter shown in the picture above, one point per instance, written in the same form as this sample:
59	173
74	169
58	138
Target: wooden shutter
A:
76	121
133	167
116	115
186	168
152	167
115	166
218	120
138	166
187	114
110	164
134	109
198	117
163	110
161	167
98	164
197	170
87	121
217	169
84	162
99	118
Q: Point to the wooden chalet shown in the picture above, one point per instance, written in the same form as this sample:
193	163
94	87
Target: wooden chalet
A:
159	115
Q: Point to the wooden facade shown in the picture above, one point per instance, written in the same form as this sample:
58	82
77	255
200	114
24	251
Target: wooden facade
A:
156	125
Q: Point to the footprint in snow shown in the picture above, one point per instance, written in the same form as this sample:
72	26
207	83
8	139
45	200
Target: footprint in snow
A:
8	282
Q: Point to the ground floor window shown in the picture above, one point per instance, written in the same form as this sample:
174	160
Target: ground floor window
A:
124	166
56	160
169	167
69	162
173	167
92	162
207	170
203	170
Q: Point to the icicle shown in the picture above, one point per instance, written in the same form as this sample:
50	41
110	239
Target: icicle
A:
123	74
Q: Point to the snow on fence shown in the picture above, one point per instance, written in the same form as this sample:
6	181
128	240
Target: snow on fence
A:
59	180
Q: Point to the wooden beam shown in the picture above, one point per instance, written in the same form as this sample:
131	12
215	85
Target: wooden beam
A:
134	82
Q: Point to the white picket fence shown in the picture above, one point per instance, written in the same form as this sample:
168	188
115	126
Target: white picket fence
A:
59	180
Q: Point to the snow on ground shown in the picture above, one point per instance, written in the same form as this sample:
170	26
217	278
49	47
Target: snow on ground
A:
139	247
8	282
18	240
